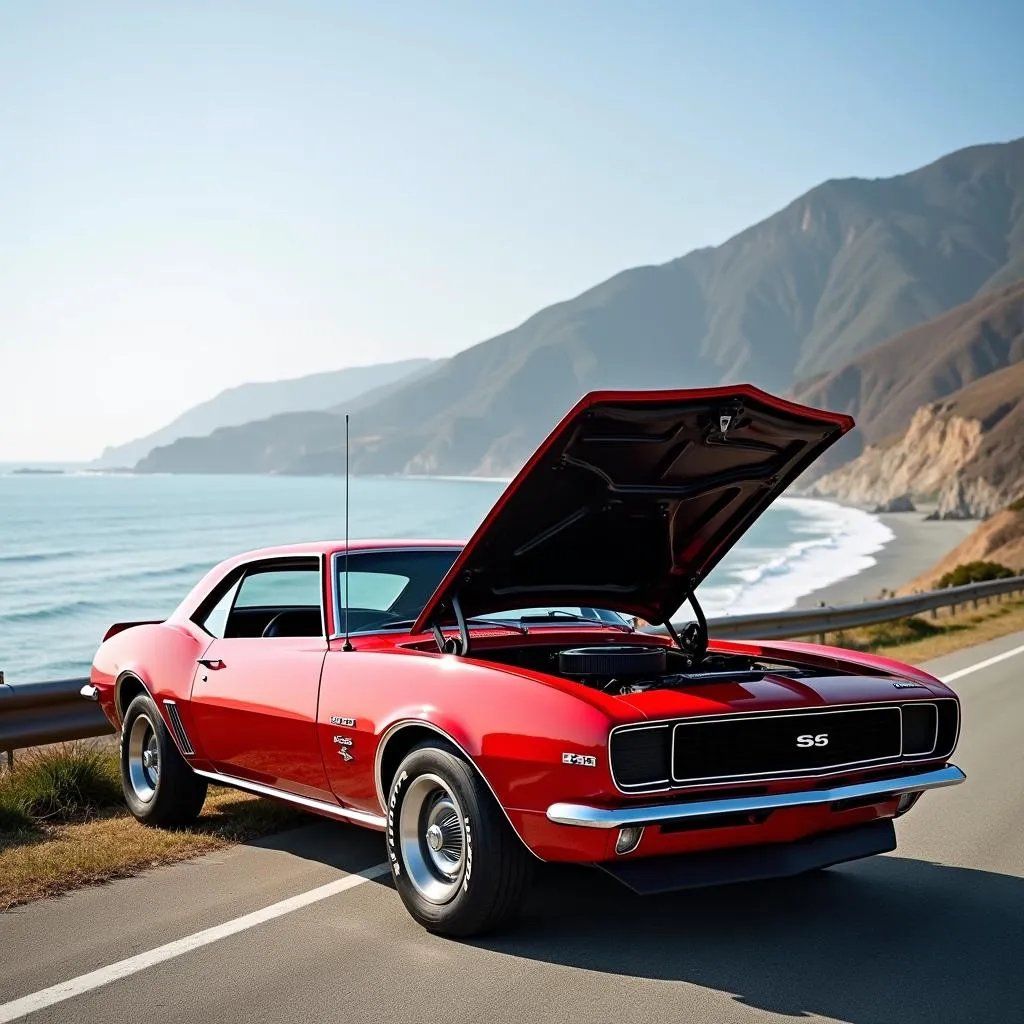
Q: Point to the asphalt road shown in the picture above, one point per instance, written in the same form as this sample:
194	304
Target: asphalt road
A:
932	933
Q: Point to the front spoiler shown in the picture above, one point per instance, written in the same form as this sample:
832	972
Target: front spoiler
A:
657	814
650	875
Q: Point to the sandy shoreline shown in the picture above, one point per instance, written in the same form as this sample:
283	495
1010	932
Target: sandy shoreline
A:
916	546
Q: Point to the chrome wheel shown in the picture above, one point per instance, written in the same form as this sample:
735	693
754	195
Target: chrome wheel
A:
143	758
432	837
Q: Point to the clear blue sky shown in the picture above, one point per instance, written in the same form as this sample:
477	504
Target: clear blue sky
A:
197	194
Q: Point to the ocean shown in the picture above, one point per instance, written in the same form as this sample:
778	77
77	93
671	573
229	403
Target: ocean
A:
79	551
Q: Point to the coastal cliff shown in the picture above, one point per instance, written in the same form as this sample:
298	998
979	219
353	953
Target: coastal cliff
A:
965	451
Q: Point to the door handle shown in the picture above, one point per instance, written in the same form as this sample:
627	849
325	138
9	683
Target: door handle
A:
213	663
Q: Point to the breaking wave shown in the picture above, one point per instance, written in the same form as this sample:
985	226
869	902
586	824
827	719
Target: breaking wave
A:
756	579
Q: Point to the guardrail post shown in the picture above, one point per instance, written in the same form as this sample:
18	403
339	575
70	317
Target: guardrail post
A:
9	753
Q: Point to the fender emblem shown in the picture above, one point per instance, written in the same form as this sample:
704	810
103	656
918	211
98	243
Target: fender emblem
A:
338	720
584	760
908	686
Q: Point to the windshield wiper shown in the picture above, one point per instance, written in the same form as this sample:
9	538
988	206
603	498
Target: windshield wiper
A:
516	627
559	613
500	623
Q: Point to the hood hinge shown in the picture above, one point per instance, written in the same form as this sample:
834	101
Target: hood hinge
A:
449	645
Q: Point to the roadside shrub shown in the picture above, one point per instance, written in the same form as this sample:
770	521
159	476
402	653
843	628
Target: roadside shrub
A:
60	784
902	631
974	572
13	816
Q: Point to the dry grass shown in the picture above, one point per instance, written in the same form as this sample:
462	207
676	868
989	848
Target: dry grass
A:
81	843
923	637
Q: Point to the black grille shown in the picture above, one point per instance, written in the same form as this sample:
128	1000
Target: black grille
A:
920	726
949	727
727	747
789	744
640	757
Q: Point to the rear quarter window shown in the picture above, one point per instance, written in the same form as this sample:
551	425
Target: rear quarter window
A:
285	588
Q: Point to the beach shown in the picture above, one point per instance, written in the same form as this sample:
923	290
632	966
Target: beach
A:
916	546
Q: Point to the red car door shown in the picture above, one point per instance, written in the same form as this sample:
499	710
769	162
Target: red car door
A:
254	694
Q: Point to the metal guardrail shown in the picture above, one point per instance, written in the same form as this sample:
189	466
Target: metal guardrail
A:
816	621
34	714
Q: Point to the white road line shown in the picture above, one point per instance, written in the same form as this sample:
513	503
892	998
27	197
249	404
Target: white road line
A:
982	664
18	1009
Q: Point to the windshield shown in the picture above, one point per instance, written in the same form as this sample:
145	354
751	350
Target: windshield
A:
388	589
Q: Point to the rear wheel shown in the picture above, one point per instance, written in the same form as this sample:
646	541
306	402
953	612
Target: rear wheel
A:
159	786
457	864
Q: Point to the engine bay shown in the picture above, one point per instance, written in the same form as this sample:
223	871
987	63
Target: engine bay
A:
635	668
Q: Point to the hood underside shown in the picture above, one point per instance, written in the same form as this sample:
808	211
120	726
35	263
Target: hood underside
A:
632	500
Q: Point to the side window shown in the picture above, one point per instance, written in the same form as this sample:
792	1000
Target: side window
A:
216	621
285	588
269	602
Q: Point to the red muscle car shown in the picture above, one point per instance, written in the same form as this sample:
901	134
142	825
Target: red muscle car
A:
490	704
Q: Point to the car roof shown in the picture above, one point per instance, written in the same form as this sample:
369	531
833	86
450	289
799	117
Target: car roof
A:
328	547
317	548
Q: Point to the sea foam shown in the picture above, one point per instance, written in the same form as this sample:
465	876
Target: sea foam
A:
841	544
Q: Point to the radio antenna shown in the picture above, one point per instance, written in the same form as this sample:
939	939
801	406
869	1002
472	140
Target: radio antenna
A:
347	645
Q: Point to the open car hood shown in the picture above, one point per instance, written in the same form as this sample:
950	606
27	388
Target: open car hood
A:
632	500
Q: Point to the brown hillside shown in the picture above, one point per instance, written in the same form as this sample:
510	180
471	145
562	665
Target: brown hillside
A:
999	539
883	388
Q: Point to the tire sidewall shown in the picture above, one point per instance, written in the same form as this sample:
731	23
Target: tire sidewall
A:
455	773
143	704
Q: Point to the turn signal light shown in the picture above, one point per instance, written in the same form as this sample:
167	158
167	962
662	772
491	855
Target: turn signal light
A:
907	800
629	839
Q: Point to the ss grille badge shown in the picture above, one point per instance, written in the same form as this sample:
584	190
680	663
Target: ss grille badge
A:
808	740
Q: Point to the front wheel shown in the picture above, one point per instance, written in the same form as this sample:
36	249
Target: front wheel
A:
458	866
159	786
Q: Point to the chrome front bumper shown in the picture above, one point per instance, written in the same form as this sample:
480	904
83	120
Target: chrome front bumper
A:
621	817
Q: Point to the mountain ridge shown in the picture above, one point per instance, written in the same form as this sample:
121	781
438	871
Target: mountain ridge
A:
243	403
839	270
